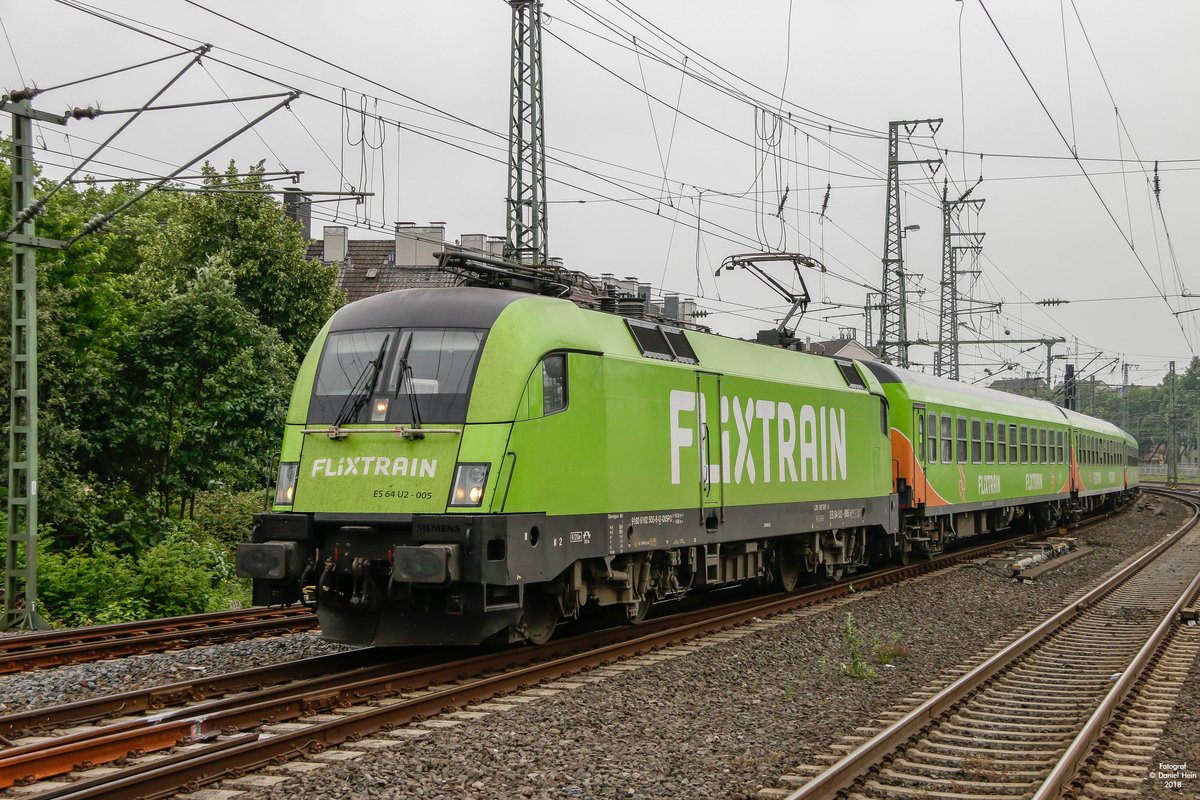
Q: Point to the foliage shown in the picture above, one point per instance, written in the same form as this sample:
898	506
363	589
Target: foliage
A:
856	648
239	222
185	573
167	344
200	384
888	652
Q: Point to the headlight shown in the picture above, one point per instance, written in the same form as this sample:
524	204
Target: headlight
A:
469	481
285	486
379	409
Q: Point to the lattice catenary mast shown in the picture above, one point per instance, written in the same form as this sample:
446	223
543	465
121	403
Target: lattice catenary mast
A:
893	307
526	224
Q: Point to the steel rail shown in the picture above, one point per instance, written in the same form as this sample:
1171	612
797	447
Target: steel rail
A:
1080	749
122	629
41	651
845	773
564	657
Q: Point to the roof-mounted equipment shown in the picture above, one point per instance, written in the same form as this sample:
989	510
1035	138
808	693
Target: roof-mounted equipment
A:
781	334
476	269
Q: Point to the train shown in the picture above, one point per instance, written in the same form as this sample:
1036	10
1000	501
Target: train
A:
467	465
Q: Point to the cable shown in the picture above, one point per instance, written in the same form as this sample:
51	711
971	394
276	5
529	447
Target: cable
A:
1095	189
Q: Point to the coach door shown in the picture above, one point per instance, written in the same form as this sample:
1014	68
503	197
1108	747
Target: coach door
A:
708	434
919	455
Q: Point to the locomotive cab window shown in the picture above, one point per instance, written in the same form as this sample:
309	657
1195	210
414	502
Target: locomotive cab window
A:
395	376
554	383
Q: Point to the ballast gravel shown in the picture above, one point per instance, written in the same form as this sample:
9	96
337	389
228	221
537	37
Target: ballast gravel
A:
36	688
732	717
1175	770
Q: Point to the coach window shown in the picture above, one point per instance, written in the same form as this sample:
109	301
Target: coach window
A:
1012	444
962	439
976	441
947	439
933	439
989	442
1002	443
1042	435
1024	445
554	383
1062	453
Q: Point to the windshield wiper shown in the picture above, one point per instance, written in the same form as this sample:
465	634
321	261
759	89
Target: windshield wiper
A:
362	389
405	371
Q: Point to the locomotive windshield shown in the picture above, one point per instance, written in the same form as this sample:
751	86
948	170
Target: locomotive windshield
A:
425	375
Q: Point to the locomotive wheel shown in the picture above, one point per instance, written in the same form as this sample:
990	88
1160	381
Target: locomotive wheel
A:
637	612
540	617
787	567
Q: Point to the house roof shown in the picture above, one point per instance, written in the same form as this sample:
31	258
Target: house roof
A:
846	348
369	269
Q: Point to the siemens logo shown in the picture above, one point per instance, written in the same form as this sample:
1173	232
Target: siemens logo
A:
814	436
375	465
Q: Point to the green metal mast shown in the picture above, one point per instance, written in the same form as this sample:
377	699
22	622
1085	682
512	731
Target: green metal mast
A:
946	360
893	327
527	228
20	551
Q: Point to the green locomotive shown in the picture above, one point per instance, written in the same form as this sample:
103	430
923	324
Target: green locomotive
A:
468	464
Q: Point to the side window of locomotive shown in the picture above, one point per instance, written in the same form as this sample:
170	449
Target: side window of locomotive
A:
989	442
976	441
1002	442
554	383
1024	444
884	428
962	439
933	439
1012	444
947	439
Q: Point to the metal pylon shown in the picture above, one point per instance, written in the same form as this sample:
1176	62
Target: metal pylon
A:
946	360
20	551
893	305
526	225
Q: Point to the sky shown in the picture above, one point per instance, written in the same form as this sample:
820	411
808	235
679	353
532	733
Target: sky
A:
682	132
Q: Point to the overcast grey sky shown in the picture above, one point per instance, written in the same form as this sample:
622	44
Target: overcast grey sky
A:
713	146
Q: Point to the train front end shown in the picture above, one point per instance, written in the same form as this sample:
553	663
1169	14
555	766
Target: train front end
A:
380	515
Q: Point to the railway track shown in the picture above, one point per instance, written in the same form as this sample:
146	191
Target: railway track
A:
78	645
1025	721
194	733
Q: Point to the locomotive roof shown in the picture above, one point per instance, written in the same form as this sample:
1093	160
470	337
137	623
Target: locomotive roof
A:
462	306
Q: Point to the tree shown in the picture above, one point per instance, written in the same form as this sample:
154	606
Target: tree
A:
199	395
237	219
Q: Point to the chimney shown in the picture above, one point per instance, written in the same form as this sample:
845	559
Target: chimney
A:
416	244
687	310
474	241
297	207
335	244
671	306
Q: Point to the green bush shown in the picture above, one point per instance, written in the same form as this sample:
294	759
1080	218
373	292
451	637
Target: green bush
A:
187	572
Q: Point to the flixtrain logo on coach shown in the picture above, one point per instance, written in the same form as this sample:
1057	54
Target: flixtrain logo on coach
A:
804	445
